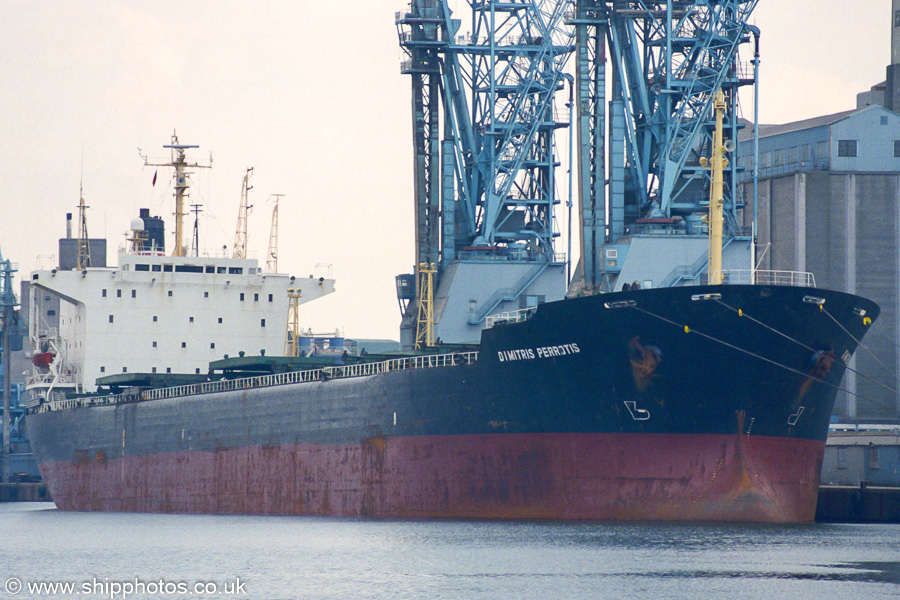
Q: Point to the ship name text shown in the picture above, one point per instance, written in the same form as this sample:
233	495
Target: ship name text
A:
540	352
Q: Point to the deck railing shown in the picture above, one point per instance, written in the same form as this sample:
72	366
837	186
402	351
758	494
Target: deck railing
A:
427	361
763	277
513	316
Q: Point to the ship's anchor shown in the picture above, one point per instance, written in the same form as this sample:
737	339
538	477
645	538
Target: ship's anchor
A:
792	420
638	414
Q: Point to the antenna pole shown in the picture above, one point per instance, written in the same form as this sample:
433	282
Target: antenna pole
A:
195	241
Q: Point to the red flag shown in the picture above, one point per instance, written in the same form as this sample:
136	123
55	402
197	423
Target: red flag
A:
154	178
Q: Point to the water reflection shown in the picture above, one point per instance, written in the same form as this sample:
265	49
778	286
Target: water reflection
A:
288	557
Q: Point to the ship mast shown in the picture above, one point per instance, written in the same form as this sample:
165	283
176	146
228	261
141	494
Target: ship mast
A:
83	259
182	184
717	164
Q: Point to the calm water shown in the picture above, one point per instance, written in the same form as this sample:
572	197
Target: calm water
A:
274	558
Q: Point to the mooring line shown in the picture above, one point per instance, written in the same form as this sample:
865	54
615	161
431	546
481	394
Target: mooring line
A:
687	329
859	343
886	336
741	313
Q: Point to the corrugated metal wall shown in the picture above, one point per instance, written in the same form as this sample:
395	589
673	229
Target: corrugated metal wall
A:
852	243
877	242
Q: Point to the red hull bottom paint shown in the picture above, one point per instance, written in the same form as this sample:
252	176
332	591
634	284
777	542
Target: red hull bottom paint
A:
509	476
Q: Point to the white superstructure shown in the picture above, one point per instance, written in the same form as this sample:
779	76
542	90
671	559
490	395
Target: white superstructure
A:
167	314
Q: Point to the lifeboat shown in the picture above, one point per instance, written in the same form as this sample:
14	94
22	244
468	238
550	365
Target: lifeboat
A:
42	359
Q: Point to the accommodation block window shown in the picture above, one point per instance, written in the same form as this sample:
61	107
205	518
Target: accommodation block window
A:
847	148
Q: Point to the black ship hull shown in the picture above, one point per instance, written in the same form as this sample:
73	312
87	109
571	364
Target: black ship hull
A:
701	403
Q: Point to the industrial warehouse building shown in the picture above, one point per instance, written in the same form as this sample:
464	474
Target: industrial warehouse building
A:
852	457
827	203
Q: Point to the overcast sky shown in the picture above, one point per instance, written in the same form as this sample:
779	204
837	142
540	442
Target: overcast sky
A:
310	94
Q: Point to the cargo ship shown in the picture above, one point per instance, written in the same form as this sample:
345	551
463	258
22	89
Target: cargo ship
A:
668	380
704	402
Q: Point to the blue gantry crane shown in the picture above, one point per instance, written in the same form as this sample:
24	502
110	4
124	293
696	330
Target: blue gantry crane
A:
648	72
10	340
484	117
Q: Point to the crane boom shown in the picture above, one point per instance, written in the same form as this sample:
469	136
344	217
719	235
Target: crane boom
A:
272	256
240	235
